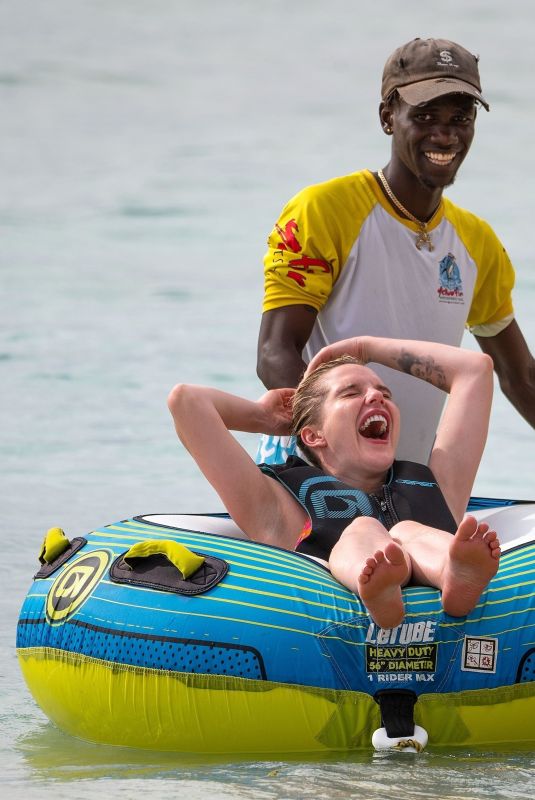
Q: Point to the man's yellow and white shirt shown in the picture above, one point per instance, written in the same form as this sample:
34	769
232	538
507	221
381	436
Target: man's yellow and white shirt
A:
341	248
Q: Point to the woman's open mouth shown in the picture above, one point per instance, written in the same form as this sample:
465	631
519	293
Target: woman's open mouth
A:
375	426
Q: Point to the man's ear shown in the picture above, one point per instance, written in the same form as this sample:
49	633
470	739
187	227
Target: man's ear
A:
385	116
312	438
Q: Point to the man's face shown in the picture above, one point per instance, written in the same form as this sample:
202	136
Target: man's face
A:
432	139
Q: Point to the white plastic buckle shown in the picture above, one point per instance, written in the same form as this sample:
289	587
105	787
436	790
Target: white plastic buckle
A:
406	744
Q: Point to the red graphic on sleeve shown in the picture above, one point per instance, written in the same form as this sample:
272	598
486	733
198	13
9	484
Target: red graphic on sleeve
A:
305	263
289	241
300	279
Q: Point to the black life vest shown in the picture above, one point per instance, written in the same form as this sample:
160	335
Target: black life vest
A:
410	493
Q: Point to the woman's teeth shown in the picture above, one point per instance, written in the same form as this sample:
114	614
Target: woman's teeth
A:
374	426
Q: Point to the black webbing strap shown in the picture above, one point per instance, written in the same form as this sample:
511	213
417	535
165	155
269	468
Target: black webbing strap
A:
397	711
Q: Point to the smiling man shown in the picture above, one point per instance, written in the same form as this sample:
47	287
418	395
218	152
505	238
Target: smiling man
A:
385	254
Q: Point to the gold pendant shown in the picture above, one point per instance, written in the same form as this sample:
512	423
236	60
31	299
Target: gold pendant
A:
424	238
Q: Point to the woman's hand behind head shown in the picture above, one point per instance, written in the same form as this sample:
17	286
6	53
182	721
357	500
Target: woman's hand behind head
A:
356	347
277	408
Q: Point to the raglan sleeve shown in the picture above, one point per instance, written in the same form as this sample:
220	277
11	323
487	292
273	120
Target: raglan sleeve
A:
492	304
303	260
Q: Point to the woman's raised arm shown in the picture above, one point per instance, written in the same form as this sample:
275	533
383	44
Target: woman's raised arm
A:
203	419
466	375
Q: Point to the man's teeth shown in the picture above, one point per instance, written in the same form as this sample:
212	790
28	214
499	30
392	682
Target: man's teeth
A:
375	418
440	158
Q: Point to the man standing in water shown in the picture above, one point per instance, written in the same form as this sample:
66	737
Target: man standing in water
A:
385	254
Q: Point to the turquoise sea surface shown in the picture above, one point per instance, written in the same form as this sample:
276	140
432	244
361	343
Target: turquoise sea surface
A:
146	150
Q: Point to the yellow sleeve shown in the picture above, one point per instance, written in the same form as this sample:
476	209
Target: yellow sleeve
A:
492	300
311	241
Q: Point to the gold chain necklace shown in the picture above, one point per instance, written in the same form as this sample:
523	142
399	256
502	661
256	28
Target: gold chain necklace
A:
423	236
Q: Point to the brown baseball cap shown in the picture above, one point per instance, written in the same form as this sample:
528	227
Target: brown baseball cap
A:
424	69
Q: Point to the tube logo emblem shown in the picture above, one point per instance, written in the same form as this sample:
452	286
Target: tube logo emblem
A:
74	585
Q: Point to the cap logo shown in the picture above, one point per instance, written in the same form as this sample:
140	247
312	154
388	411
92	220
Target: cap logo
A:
424	69
446	59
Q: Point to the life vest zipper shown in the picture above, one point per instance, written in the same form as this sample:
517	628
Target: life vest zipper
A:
386	506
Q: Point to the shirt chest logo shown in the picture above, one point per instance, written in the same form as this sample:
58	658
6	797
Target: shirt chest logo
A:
450	285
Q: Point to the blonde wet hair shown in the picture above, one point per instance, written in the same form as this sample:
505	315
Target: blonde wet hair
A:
308	400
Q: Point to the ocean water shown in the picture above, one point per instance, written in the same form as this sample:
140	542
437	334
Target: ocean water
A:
146	150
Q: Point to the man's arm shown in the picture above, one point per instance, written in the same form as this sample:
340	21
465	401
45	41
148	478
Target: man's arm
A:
515	368
283	334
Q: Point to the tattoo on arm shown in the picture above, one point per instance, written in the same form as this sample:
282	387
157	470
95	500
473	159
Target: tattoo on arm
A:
424	368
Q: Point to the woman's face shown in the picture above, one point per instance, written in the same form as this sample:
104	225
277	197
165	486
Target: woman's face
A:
358	425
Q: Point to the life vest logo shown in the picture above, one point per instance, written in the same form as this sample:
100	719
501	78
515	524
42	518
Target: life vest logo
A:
74	585
450	288
337	503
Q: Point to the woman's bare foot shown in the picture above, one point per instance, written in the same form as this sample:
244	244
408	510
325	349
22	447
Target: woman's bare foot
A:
380	585
472	561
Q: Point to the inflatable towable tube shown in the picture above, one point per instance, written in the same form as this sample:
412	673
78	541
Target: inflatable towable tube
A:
175	632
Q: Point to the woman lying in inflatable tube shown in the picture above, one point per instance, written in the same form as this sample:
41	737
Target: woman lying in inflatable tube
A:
379	523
